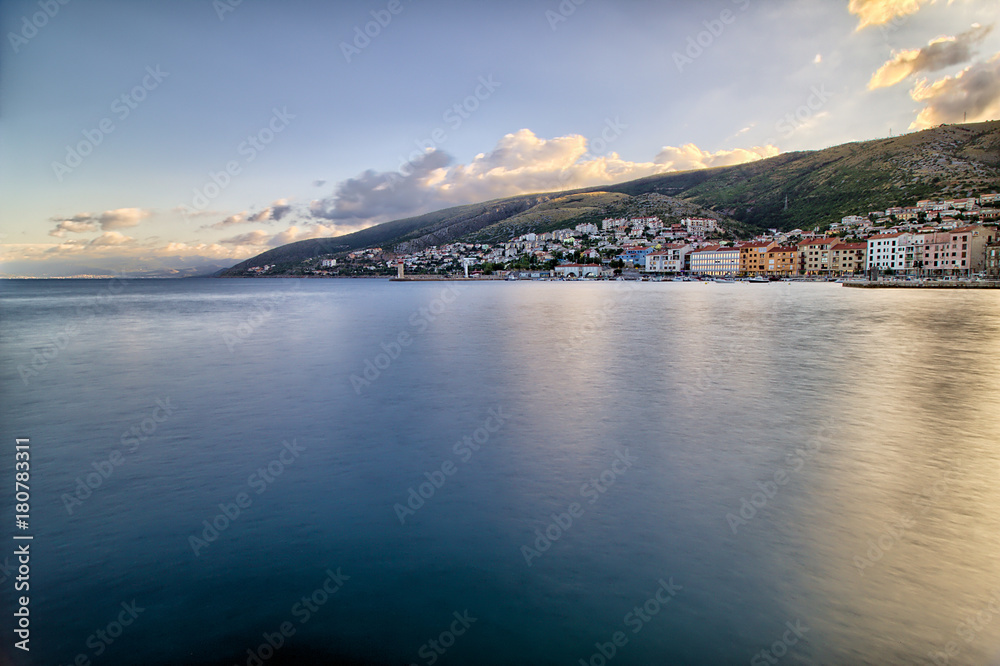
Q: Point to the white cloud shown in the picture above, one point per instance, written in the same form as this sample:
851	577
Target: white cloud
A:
122	218
938	54
111	238
880	12
74	226
974	91
690	156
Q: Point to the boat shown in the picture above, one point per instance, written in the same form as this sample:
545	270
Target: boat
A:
757	279
723	281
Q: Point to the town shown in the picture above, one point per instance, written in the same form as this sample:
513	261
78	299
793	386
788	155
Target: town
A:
952	239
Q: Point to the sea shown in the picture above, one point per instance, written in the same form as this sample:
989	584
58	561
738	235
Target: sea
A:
294	472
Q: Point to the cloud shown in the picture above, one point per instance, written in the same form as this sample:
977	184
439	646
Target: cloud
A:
74	226
690	156
938	54
120	218
880	12
260	238
257	237
375	195
280	208
520	163
238	218
275	211
111	238
213	251
974	91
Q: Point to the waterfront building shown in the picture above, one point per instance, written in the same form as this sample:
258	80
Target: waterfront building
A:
753	256
671	259
993	260
579	270
782	261
847	258
716	261
886	252
814	255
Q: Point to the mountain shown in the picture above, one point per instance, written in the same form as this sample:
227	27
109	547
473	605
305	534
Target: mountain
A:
804	189
855	178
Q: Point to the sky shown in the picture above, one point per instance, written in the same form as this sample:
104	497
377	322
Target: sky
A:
140	135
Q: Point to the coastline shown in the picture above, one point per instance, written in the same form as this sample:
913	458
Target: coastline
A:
936	284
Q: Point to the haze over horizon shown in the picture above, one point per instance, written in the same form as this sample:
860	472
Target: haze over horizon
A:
202	132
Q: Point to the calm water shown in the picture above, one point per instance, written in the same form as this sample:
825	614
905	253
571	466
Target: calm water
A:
757	456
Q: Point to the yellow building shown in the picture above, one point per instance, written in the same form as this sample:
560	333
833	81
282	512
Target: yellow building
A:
752	257
782	261
848	258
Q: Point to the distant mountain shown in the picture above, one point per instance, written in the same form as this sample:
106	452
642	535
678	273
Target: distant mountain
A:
793	190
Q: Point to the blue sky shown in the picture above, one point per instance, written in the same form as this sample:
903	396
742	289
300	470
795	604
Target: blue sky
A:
147	134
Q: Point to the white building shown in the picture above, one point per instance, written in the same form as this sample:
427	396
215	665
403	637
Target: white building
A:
328	263
700	226
887	252
715	261
579	270
670	259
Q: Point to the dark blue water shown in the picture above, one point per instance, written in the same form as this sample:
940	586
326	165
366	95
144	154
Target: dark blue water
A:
714	465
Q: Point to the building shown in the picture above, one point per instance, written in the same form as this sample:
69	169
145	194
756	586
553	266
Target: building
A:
782	261
814	255
671	259
935	256
700	226
635	255
752	257
328	263
968	248
715	261
886	252
578	270
848	258
993	260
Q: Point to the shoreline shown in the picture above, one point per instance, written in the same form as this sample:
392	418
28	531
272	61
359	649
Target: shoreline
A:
936	284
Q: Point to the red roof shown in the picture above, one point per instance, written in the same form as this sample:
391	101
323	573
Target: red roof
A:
817	241
850	246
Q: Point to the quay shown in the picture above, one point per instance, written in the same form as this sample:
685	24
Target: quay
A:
925	284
